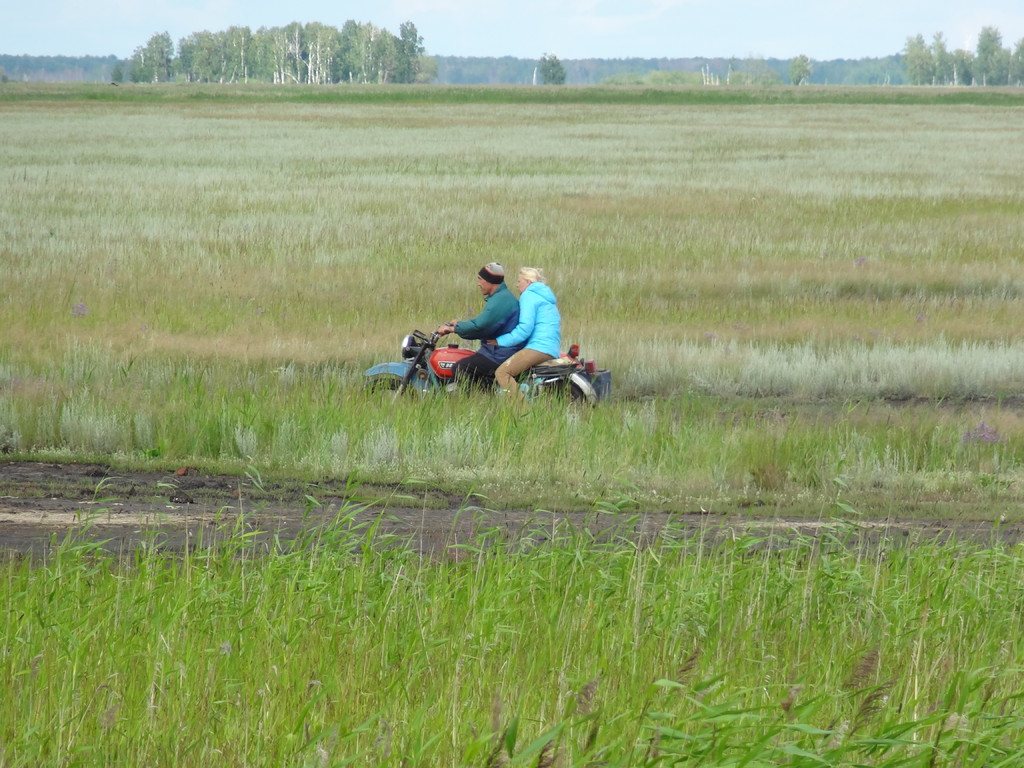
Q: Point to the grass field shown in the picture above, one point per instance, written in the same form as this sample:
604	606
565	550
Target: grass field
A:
790	291
559	650
810	300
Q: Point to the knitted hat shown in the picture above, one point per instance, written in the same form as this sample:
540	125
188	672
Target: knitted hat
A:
493	273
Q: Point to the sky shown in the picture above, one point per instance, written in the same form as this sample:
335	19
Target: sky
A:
569	29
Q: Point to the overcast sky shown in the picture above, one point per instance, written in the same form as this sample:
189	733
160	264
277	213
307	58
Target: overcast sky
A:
569	29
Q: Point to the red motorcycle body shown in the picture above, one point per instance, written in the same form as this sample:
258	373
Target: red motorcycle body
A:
443	360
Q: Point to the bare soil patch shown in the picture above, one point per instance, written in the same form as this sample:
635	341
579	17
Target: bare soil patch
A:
42	504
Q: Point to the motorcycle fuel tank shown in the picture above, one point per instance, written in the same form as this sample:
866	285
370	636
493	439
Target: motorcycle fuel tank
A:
444	359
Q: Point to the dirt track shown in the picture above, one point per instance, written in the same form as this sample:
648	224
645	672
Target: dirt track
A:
43	502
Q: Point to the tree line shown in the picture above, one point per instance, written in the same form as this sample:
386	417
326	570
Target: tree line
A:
364	53
989	64
313	53
655	72
57	68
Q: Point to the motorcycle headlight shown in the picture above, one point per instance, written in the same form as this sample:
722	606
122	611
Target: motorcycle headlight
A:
408	347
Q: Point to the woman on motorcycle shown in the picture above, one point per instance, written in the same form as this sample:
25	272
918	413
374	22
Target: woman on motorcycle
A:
540	326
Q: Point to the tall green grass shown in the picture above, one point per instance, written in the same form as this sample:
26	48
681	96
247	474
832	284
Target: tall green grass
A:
722	648
794	454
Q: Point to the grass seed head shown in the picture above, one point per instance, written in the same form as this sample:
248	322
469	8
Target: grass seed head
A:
791	697
864	672
496	757
546	758
585	698
872	704
956	722
383	741
496	711
34	665
838	735
688	666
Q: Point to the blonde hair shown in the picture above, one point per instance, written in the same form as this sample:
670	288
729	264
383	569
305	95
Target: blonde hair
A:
532	274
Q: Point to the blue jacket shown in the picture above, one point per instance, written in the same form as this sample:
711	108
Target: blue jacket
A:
540	324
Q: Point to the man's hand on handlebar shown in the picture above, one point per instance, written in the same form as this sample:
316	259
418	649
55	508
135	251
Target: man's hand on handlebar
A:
446	328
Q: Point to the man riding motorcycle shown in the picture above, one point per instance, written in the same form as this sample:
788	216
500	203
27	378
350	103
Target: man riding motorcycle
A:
499	316
425	366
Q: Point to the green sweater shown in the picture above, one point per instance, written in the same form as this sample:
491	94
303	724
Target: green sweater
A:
489	323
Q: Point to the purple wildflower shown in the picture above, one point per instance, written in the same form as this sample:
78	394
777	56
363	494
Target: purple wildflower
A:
79	310
981	434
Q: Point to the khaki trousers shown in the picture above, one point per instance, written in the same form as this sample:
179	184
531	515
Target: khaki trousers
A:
519	362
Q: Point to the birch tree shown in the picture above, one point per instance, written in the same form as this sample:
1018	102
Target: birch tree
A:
943	60
918	61
321	43
153	62
1017	64
201	58
800	70
963	66
315	53
294	49
349	60
275	47
991	62
409	51
383	56
238	46
551	70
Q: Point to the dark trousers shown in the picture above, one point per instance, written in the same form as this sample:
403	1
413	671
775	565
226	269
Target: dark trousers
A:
475	371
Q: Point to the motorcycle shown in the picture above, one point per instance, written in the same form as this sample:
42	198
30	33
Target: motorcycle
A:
425	367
